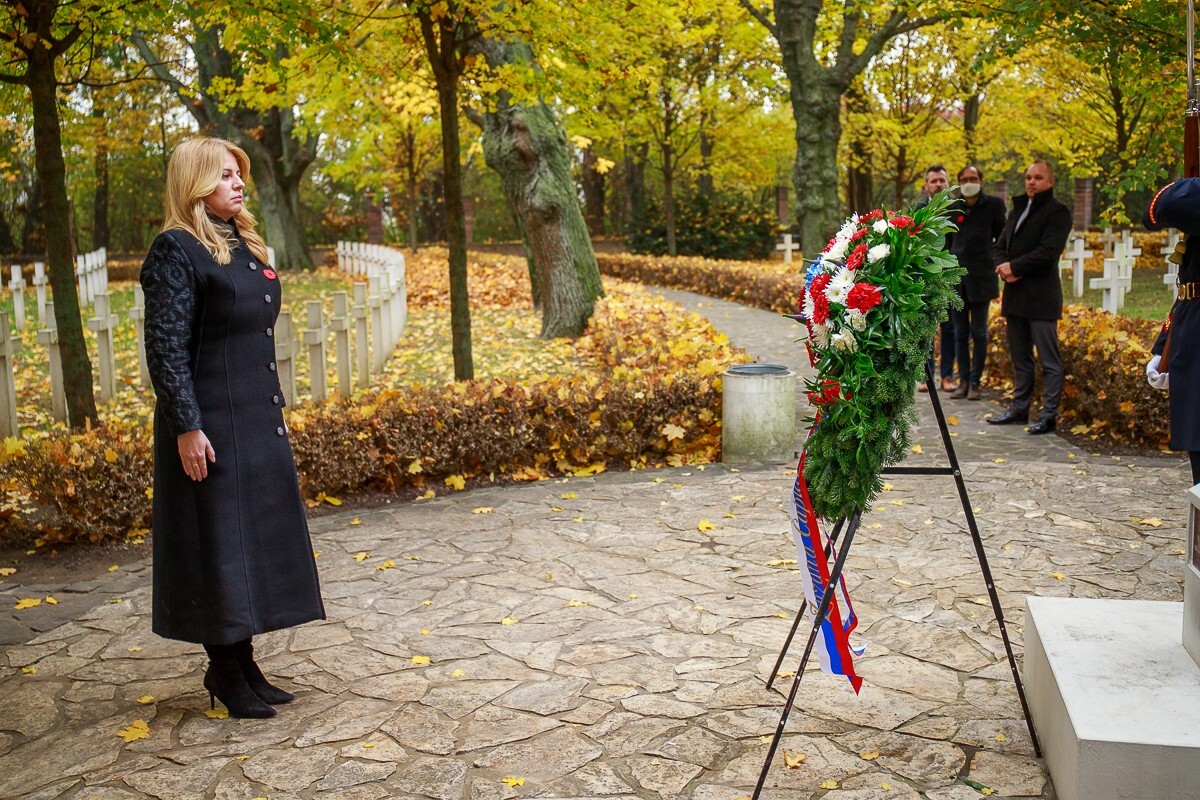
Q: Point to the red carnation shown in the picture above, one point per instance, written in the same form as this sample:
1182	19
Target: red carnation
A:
830	393
863	297
900	221
829	246
856	258
870	217
820	307
860	233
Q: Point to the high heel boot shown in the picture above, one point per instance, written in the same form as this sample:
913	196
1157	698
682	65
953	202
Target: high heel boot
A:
224	682
255	678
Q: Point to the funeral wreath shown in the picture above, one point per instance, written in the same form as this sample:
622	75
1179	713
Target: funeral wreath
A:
872	303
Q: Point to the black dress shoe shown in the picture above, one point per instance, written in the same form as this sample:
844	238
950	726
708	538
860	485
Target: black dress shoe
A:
1043	425
1010	417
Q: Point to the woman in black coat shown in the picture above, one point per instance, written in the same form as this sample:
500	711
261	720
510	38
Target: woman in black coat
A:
1177	205
980	220
232	555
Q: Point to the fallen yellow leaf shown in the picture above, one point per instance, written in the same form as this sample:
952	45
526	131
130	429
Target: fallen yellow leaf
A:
415	467
781	562
135	649
874	525
952	420
456	482
916	448
887	787
113	568
513	781
793	760
356	521
429	495
1153	522
29	670
388	564
568	495
6	571
110	455
217	713
999	460
362	555
633	597
705	525
333	501
577	603
673	432
829	785
458	673
52	601
1000	737
869	755
509	620
887	487
1058	576
737	498
137	730
482	510
424	631
368	745
146	698
27	602
556	509
420	660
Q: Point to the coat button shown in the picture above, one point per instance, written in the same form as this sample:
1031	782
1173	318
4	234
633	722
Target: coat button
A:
270	331
275	400
279	431
267	297
253	265
271	366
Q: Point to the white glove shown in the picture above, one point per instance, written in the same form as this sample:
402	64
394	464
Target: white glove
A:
1159	380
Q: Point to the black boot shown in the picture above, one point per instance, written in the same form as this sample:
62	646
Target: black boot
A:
224	681
255	678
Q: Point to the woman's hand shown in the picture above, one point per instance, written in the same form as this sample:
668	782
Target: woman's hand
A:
195	453
1159	380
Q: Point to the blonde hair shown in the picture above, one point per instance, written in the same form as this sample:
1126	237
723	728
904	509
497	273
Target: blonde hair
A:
192	175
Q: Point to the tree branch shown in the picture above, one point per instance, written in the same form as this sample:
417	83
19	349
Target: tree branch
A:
761	16
897	24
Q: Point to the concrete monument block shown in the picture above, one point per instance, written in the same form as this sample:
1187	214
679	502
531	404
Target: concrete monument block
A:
758	414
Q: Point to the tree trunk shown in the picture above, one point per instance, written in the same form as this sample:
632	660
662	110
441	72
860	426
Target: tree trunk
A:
900	176
100	199
47	137
456	229
971	127
525	146
705	181
815	107
593	193
374	218
33	232
7	243
635	186
668	172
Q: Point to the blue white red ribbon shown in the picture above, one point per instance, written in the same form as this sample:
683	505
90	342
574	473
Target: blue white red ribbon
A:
833	641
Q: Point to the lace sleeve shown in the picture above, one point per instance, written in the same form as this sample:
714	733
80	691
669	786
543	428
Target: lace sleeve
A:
169	284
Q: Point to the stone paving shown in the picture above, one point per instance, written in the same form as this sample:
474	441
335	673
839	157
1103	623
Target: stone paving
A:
608	637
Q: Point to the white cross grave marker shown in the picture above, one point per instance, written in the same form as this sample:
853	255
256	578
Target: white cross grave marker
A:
48	336
361	346
138	315
285	350
1108	240
787	247
339	323
103	324
1114	283
9	345
39	285
17	285
1073	258
314	339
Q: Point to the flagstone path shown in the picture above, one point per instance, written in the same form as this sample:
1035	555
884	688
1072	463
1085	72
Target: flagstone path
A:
607	637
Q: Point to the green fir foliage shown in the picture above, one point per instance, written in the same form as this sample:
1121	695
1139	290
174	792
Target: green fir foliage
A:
868	426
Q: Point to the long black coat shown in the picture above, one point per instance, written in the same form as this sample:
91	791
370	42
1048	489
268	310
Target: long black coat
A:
978	228
1178	206
232	555
1034	251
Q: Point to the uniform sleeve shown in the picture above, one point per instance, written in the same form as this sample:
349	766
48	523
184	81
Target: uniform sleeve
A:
1046	254
1000	248
170	287
1176	205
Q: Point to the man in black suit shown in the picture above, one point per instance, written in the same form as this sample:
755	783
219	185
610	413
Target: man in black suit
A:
1026	257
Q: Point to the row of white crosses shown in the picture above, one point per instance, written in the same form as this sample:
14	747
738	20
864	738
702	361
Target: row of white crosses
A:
91	272
389	315
383	291
1118	273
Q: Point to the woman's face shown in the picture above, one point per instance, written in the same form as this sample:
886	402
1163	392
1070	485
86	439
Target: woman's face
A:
226	200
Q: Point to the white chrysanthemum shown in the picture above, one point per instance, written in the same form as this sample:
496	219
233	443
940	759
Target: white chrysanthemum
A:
837	251
840	286
809	307
847	230
877	253
856	319
820	335
844	340
880	226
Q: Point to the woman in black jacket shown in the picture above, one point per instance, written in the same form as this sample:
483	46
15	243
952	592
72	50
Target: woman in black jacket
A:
980	220
232	555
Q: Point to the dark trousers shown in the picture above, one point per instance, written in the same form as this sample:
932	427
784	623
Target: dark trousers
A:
970	328
946	368
1024	335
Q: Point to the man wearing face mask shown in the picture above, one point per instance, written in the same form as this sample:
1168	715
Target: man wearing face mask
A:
980	220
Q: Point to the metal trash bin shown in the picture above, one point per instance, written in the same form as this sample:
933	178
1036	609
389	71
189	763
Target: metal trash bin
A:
758	414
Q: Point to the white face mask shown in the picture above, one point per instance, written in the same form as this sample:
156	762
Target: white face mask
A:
970	189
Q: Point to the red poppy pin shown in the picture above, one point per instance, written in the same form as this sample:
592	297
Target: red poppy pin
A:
958	220
269	274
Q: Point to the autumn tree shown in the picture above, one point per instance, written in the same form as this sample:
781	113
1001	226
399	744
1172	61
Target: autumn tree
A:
50	44
823	50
